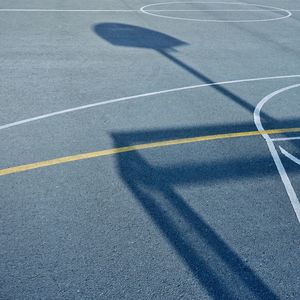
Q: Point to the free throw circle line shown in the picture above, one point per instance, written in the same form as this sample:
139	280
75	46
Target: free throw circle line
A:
281	170
148	12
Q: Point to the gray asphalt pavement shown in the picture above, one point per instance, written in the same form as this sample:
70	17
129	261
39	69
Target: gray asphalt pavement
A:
203	220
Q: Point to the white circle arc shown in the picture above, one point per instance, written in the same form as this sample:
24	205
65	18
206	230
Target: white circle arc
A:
282	172
139	96
145	9
136	97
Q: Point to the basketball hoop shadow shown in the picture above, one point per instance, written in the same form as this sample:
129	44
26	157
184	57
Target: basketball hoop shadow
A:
125	35
274	152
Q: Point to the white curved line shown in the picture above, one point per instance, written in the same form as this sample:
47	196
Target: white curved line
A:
143	10
290	156
258	108
123	99
282	172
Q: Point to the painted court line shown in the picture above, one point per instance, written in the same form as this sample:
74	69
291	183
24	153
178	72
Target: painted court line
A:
139	96
64	10
290	156
210	10
134	10
281	170
286	138
77	157
148	9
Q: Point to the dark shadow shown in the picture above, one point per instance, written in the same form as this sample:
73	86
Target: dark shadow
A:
126	35
136	37
139	136
216	266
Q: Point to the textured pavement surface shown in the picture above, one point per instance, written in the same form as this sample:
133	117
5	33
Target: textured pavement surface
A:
209	220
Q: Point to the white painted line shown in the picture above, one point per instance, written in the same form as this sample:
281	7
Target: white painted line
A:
286	139
282	172
136	10
211	10
123	99
64	10
145	9
290	156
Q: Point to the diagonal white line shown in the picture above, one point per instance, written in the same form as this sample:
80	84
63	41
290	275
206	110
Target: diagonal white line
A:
290	156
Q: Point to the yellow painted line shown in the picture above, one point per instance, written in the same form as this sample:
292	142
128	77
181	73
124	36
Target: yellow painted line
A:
66	159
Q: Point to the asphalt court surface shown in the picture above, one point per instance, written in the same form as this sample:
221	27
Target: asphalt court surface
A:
201	98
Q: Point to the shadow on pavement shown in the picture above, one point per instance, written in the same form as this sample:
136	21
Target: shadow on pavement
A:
216	266
125	35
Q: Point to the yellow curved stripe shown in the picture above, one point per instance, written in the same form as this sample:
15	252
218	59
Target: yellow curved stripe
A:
66	159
